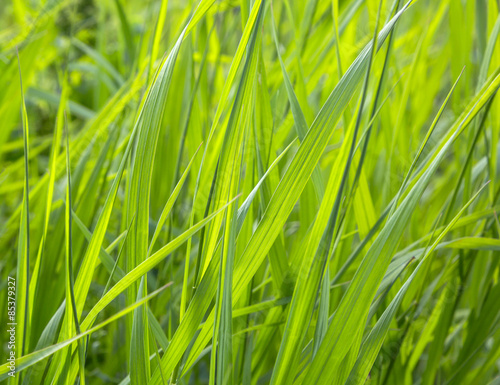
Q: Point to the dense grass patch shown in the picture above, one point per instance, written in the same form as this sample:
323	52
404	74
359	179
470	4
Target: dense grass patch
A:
250	192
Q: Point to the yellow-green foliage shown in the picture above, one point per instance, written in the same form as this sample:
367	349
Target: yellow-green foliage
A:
250	192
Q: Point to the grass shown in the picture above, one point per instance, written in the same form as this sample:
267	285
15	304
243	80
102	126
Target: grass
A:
250	192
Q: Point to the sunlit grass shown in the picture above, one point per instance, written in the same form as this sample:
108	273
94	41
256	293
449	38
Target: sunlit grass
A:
250	192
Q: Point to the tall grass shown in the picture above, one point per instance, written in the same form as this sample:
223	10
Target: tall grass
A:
250	191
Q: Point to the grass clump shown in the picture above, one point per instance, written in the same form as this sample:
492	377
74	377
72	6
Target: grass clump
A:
250	192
